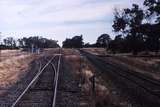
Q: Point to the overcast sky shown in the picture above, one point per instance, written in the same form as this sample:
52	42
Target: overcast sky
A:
58	19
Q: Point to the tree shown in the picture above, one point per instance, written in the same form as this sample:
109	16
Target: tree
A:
67	43
37	42
118	44
151	40
5	42
120	21
127	23
103	40
153	9
10	42
21	43
153	15
75	42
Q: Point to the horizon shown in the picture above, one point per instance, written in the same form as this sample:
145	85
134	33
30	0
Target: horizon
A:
59	20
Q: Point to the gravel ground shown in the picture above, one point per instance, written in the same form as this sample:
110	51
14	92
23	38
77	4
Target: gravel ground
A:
68	91
124	93
41	93
11	93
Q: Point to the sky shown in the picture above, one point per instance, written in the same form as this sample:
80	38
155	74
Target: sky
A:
59	19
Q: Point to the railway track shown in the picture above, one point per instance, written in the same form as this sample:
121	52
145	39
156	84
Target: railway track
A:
42	90
143	89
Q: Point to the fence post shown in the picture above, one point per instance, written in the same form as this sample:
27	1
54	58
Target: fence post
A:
92	79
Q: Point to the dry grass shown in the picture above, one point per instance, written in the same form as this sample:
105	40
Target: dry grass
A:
13	66
105	94
101	94
96	51
148	66
70	51
6	54
73	56
149	60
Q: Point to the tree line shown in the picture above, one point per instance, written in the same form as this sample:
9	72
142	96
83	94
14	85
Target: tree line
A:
137	29
77	42
30	42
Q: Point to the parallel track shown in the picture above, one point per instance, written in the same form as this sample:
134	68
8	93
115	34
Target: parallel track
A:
41	91
146	89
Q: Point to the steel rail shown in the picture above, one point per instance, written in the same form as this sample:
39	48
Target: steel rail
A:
54	67
135	74
56	80
34	79
137	80
40	67
55	72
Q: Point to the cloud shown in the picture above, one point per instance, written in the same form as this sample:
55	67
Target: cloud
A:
62	18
